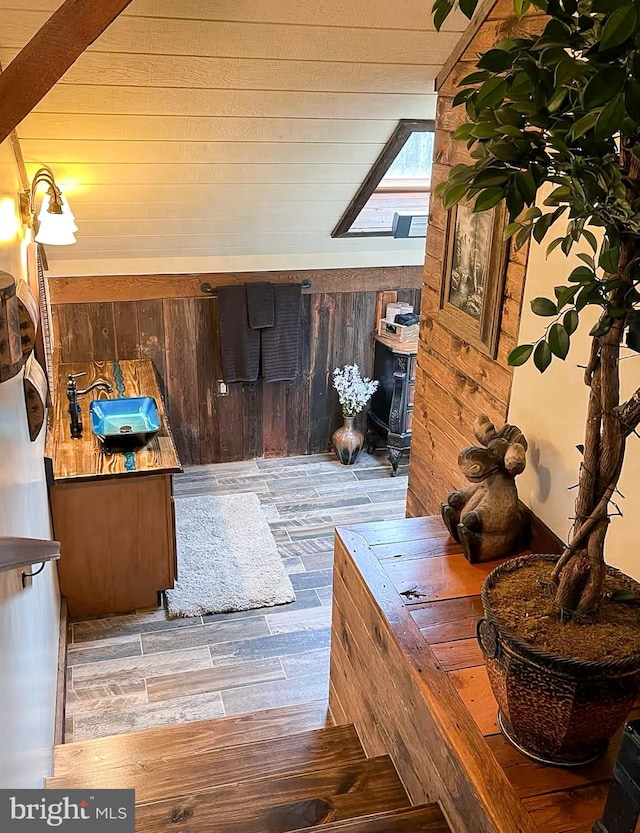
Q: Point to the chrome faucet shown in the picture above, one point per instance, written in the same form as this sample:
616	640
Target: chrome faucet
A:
75	414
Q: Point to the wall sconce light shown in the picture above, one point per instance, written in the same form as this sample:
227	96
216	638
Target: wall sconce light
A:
54	224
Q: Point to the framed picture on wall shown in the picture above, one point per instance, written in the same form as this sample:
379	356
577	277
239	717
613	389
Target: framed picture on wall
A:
474	273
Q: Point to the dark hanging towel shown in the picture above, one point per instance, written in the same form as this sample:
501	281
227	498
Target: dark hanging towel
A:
240	345
260	305
280	343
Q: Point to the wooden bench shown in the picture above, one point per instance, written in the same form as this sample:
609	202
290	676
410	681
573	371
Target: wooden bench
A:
407	671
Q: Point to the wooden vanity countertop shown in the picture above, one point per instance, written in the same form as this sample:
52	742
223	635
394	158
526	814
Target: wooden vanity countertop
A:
85	458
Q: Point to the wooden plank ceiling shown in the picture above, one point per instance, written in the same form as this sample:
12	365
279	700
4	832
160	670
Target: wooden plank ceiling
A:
199	135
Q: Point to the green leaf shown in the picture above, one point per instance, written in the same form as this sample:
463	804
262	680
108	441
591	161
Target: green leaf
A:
542	356
590	238
544	307
491	93
488	198
542	227
564	294
610	119
582	274
588	296
559	341
510	230
521	86
632	99
525	183
609	259
454	195
523	235
441	10
568	71
553	245
470	107
489	177
603	86
460	97
505	151
584	124
532	213
571	321
552	56
602	327
515	203
496	60
461	173
585	258
440	188
618	27
511	130
463	132
484	130
509	115
557	99
567	244
558	194
468	7
519	355
521	7
474	78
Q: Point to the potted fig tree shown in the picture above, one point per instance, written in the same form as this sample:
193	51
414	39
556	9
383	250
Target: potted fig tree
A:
553	129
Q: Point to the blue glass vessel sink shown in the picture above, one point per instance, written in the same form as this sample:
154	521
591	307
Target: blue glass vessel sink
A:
125	422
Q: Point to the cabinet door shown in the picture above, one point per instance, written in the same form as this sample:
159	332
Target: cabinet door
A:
118	544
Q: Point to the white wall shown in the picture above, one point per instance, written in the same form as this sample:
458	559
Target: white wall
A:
550	408
29	618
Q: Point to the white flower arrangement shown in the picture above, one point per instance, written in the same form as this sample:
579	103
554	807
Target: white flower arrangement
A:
353	391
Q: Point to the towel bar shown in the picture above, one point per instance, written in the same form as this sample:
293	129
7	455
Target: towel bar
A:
210	290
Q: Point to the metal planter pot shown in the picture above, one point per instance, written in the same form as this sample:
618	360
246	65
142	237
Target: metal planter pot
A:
556	710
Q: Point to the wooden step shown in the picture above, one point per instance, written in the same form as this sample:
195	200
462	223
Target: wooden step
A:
174	775
192	738
425	819
281	803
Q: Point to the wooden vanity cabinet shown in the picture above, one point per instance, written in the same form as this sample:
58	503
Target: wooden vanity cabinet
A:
113	513
118	542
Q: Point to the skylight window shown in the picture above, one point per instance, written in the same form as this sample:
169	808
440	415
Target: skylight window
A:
394	199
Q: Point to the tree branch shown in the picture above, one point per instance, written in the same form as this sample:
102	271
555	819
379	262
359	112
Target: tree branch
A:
629	413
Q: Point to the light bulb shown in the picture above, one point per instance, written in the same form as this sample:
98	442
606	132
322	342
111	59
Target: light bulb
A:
55	230
66	212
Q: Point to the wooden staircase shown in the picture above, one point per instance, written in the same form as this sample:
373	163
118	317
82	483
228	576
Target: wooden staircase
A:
267	772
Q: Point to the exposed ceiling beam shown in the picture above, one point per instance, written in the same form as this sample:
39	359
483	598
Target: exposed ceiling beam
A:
49	54
17	152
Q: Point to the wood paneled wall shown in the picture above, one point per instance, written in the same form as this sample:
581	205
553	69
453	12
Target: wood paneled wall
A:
456	382
181	337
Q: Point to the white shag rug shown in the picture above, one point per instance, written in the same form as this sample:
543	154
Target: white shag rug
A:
227	557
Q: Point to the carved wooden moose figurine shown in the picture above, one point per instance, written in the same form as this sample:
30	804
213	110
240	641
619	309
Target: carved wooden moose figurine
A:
487	518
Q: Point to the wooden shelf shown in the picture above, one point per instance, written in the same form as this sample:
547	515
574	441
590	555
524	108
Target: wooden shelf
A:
405	348
23	552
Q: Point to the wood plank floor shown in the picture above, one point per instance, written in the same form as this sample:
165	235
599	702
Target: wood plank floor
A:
142	670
